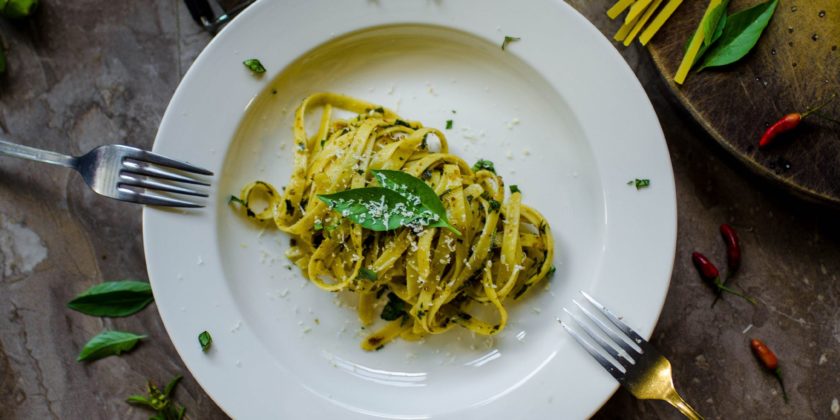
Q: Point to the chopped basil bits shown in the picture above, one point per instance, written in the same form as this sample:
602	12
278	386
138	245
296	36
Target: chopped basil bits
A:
254	65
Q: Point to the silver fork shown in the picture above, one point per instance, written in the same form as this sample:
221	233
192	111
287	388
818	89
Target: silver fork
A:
123	172
638	367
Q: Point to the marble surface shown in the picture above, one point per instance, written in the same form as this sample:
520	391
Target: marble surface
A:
90	72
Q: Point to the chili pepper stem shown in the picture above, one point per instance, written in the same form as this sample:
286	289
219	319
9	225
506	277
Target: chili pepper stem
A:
826	117
721	288
778	374
820	106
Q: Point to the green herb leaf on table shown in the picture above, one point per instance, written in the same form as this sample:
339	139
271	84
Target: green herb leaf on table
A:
718	32
508	40
254	65
108	343
205	340
711	24
367	274
741	33
448	124
17	9
113	298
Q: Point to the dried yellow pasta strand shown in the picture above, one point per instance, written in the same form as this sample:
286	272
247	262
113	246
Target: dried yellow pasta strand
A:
618	8
636	10
641	23
659	20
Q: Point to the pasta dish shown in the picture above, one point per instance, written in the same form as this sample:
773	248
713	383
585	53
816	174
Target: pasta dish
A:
377	205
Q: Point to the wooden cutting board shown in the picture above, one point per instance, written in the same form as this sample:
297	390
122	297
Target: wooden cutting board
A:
795	65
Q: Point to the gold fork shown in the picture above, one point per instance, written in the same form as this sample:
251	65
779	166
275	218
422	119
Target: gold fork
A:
637	366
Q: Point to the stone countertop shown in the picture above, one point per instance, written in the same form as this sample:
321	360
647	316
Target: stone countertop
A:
90	72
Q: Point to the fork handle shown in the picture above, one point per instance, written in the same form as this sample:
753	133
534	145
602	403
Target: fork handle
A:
8	148
680	404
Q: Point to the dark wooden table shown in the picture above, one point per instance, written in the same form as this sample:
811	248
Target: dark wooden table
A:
90	72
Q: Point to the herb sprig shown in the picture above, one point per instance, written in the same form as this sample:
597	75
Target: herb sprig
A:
160	401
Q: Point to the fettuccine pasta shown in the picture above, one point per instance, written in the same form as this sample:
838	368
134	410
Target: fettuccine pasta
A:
430	279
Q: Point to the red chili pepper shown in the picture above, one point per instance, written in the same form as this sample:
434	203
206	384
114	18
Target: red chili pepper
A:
711	275
733	254
786	123
733	249
769	361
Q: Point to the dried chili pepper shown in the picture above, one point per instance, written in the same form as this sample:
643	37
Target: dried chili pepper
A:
733	249
787	123
711	275
769	361
733	254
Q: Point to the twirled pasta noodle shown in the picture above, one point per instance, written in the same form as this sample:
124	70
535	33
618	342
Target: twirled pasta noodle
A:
434	275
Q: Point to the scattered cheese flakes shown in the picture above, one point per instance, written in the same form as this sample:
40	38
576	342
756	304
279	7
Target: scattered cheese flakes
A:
835	406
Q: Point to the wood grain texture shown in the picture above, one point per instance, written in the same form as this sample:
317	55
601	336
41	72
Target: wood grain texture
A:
794	66
90	72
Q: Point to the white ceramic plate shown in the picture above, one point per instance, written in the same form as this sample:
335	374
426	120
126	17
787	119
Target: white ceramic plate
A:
560	114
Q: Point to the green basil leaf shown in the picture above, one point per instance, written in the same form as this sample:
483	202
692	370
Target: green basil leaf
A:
703	47
113	298
371	207
205	339
711	23
415	189
742	31
108	343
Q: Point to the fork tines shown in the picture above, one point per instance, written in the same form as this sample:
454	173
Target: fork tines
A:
142	171
623	349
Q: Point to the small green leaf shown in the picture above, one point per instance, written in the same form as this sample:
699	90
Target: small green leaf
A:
113	298
711	22
514	189
167	391
138	400
254	65
205	339
17	9
484	164
414	190
448	124
108	343
639	183
394	309
742	31
508	40
367	274
704	47
237	200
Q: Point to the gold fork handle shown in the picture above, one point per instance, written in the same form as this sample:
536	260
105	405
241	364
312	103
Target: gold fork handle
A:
683	406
